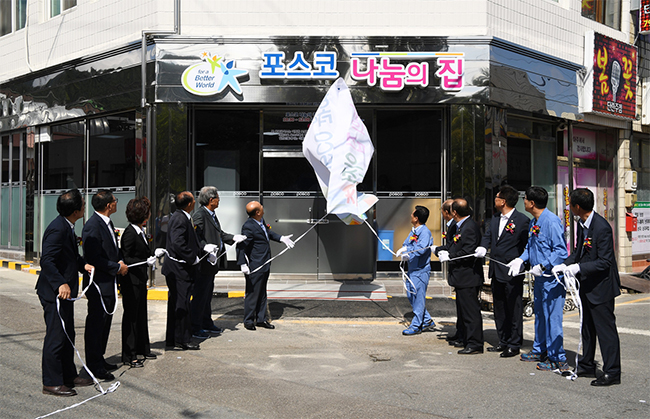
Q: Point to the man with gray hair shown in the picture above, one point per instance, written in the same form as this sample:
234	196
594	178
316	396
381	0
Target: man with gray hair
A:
212	239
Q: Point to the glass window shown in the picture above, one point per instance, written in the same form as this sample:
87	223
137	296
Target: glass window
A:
5	17
21	13
227	149
408	150
63	157
607	12
58	6
111	151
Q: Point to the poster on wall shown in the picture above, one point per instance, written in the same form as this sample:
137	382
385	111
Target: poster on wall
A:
610	87
641	237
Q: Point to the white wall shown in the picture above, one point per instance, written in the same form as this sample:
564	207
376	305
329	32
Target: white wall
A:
93	26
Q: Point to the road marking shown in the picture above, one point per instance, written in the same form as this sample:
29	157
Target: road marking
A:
625	330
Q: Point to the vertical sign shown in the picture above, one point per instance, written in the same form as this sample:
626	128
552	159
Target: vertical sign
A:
641	237
611	89
644	17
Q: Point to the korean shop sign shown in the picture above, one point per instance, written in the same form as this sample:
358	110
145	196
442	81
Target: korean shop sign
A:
611	87
644	17
391	71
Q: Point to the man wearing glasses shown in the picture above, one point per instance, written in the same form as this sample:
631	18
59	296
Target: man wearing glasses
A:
100	244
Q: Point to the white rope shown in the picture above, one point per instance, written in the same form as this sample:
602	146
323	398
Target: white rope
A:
572	285
287	248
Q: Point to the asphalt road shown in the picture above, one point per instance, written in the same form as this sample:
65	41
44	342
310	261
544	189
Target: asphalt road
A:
315	366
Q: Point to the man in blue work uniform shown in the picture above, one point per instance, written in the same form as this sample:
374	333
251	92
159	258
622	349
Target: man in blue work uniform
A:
417	251
546	248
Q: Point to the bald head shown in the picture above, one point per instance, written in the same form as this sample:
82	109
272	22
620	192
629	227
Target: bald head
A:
255	210
185	201
460	209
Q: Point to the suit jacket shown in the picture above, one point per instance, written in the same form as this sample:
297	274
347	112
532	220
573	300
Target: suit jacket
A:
509	246
599	279
135	249
101	251
182	244
467	272
208	231
60	261
449	239
256	249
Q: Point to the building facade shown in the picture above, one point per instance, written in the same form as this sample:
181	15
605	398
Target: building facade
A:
154	97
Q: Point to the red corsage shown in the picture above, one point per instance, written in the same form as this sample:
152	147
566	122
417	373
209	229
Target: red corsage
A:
268	226
587	243
149	238
79	241
413	238
510	228
117	233
444	235
456	238
535	230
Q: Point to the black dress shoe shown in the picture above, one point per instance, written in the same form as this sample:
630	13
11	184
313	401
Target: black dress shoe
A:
451	338
136	363
214	330
585	372
80	382
606	380
498	348
150	355
109	367
190	346
266	325
457	344
104	375
471	351
509	353
62	391
249	326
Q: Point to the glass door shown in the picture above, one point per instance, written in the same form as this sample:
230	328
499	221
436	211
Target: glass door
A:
12	192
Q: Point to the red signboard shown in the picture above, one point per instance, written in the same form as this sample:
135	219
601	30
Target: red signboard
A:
614	82
644	17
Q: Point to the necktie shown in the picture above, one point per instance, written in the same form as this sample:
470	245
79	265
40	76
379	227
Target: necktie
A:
112	229
144	237
580	240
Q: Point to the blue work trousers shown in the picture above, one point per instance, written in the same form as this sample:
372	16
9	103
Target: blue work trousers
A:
417	297
548	308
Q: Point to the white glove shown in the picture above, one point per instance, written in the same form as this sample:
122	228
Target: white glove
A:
574	269
480	252
559	269
515	266
287	241
537	270
405	257
400	251
212	258
160	252
238	238
443	255
151	261
433	248
210	248
245	270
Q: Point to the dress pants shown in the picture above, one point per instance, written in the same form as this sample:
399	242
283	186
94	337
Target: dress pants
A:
599	321
201	306
417	297
255	298
548	307
58	353
179	325
135	330
469	316
508	311
98	327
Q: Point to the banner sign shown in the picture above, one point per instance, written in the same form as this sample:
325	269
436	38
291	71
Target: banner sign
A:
641	237
644	17
611	89
338	147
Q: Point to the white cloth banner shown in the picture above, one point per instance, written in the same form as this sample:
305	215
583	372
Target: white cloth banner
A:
338	147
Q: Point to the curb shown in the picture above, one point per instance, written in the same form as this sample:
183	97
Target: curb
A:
16	266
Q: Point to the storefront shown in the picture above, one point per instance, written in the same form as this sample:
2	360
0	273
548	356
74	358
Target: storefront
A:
448	118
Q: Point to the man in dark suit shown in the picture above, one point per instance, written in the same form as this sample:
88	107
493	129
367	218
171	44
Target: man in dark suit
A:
101	250
211	237
252	254
506	237
447	240
183	251
466	276
59	278
594	264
